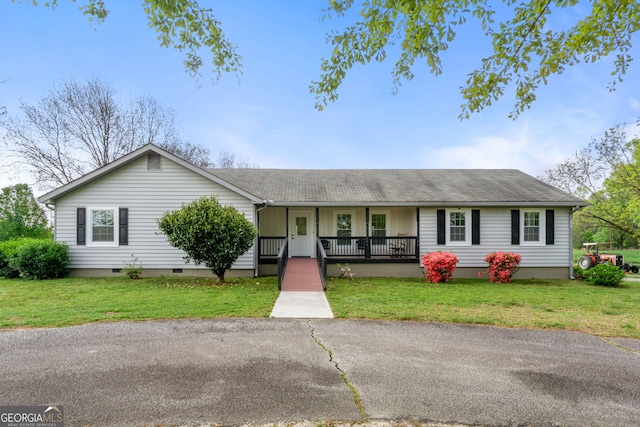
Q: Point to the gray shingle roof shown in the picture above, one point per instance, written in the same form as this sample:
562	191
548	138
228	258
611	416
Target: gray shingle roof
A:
458	187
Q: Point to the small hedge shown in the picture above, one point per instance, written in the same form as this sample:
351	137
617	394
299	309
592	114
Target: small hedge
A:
33	259
7	252
604	275
578	272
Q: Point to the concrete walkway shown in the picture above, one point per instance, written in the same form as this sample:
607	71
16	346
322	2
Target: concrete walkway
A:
302	305
302	296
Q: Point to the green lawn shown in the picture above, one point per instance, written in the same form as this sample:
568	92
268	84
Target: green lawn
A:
541	304
73	301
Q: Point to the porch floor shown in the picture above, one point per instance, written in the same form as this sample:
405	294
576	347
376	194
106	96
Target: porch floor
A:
302	275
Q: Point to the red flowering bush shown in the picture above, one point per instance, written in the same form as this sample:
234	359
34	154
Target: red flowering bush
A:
439	266
502	266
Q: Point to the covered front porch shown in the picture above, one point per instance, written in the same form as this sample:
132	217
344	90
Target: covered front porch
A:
341	234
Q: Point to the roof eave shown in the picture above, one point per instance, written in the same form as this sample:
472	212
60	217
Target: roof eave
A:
433	204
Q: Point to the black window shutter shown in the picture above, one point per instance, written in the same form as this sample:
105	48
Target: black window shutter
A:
550	227
124	226
441	231
81	226
475	227
515	226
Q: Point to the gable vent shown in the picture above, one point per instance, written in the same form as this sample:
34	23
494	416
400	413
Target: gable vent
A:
153	161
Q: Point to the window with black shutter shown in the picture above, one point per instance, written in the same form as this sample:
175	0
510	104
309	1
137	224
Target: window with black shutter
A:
102	226
515	227
550	227
475	227
123	225
81	226
441	226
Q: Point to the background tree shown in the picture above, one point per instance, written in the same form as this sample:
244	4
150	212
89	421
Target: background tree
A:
194	154
3	109
228	160
83	126
181	24
21	215
209	233
607	174
528	46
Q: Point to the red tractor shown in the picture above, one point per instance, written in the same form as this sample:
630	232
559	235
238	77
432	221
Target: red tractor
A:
593	257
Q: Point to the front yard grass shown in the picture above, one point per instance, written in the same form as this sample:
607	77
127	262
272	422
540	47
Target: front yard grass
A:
74	301
538	304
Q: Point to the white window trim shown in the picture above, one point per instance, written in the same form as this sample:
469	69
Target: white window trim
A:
343	212
387	215
353	224
116	226
467	227
541	231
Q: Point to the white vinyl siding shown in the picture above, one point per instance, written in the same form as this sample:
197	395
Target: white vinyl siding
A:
495	232
273	222
148	194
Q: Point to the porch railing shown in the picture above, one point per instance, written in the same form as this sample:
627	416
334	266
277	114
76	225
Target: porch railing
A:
370	247
391	247
322	263
269	246
283	256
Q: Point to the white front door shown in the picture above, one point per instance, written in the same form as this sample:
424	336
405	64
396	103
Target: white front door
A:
301	233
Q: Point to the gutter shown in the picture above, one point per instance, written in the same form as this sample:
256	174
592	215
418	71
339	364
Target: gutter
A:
256	261
52	208
571	212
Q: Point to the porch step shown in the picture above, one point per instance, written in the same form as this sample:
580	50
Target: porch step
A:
302	275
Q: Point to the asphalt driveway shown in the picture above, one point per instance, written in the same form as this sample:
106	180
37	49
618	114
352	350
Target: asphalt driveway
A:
233	372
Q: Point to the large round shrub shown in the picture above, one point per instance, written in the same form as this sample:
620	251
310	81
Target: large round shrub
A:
41	259
604	275
209	233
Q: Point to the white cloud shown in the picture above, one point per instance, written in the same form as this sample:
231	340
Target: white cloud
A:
488	152
531	145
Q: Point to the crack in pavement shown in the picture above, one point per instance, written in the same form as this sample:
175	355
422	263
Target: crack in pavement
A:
356	396
620	346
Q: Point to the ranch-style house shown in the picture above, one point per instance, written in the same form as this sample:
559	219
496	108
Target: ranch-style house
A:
380	221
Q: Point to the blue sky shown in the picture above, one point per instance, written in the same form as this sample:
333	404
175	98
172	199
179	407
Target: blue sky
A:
267	117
